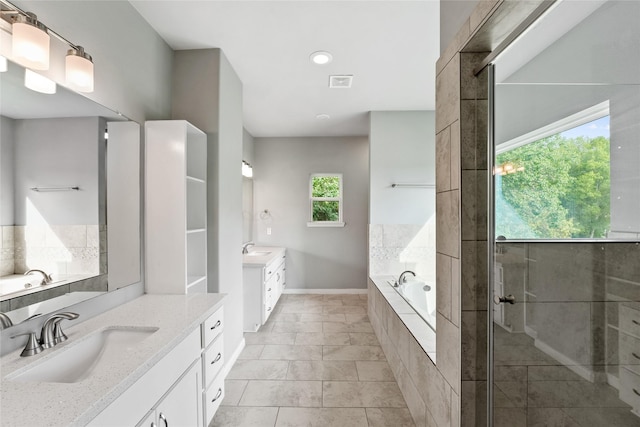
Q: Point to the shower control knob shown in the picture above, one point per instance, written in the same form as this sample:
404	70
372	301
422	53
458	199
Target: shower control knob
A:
501	300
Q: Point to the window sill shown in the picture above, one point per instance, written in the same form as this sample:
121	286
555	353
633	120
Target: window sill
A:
325	224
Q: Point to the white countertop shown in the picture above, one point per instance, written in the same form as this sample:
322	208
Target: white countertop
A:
261	261
35	403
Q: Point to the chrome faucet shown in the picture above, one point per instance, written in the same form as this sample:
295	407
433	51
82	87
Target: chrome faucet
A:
51	333
5	321
46	278
403	279
245	247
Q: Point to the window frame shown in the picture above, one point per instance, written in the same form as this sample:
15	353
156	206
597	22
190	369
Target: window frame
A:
340	199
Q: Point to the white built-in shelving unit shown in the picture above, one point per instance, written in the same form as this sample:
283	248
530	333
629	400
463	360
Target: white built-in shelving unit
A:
175	207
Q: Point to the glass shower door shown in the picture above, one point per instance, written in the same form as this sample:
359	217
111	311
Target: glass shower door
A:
565	259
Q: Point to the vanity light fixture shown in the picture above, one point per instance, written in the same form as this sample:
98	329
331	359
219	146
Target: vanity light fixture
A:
3	64
31	46
38	82
321	57
79	70
247	170
30	41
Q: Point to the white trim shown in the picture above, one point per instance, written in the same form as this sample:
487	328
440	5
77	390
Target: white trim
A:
232	360
325	224
585	116
325	291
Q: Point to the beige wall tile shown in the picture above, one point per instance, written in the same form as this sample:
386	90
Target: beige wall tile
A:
448	223
412	397
448	352
454	47
455	155
480	13
455	409
443	287
455	291
448	94
443	160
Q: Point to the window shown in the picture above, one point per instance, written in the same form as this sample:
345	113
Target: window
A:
556	186
325	206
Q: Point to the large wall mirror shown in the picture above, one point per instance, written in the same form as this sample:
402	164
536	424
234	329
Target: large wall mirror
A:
53	190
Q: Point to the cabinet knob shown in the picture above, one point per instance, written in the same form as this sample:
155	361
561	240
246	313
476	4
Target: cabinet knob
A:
218	394
268	272
278	277
218	357
269	290
269	309
218	323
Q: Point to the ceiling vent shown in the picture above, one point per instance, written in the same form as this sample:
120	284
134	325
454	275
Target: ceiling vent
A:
340	82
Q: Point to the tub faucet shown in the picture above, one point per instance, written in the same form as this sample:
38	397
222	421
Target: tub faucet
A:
46	278
245	247
403	279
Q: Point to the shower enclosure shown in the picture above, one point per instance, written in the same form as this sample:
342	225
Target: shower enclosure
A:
564	293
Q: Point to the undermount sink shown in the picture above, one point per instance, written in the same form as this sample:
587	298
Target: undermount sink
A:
257	253
81	359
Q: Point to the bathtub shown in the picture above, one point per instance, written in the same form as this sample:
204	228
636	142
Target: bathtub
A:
16	285
421	296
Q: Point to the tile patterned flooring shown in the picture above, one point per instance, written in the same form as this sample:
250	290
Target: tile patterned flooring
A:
316	362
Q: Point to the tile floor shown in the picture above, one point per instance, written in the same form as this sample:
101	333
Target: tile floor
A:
317	362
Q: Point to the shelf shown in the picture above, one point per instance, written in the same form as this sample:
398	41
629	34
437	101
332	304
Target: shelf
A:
194	280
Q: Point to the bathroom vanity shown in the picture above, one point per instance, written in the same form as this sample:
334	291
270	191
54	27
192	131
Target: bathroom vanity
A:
264	280
156	358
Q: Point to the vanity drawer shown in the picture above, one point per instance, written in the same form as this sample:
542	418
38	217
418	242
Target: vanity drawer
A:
629	352
213	397
629	320
212	327
630	388
213	360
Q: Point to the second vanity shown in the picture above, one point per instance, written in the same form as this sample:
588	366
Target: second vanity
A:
161	362
264	280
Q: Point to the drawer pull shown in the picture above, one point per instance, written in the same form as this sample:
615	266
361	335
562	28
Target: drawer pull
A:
278	277
218	394
218	323
164	419
636	391
635	355
635	322
218	357
269	290
269	309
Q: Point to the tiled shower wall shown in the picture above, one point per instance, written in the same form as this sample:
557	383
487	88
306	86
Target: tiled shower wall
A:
58	250
394	248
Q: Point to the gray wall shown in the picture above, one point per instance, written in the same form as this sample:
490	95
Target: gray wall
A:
203	83
132	62
317	258
58	152
402	150
453	13
6	169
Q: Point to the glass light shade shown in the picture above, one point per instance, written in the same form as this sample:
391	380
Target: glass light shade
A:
79	71
35	81
3	64
30	45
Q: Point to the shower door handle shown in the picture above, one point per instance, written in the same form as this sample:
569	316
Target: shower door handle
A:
501	300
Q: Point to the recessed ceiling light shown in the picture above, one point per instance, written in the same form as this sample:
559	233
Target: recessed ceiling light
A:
323	117
321	57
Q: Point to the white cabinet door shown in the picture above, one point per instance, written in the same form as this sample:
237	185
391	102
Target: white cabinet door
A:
181	406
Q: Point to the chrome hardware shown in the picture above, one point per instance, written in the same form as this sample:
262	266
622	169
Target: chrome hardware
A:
218	323
164	419
33	346
46	278
153	424
5	321
635	355
636	392
402	279
269	272
509	298
218	357
635	322
51	330
218	394
245	247
269	290
269	309
278	277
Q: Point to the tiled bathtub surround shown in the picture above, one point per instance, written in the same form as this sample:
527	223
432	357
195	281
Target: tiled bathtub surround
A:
60	250
394	248
431	398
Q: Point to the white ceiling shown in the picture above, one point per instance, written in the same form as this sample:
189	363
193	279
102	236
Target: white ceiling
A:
390	47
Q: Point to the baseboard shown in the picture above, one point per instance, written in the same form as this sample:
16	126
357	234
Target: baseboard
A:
325	291
232	360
